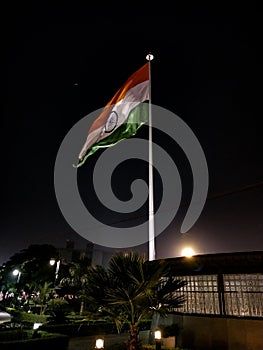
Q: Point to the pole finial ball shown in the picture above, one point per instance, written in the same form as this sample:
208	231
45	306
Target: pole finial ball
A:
149	57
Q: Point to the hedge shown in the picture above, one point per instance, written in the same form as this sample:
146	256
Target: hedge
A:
87	328
58	341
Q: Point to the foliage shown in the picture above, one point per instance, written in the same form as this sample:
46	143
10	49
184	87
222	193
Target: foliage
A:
57	304
57	309
20	334
31	340
82	329
132	289
35	275
33	263
17	334
43	297
25	317
74	282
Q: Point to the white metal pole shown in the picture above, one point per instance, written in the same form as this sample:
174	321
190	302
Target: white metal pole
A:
149	57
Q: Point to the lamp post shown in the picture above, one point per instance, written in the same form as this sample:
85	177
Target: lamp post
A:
17	273
158	339
52	262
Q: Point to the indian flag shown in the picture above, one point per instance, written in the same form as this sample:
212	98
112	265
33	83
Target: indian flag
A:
122	116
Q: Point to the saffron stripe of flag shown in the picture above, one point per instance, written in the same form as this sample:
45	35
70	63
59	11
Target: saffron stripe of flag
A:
121	117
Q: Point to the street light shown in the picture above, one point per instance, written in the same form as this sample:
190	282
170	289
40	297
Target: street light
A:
158	339
17	273
52	262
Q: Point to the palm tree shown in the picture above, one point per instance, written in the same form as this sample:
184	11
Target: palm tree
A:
44	292
132	289
76	280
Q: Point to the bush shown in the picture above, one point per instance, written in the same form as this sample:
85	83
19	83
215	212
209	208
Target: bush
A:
81	329
27	340
58	310
26	317
17	334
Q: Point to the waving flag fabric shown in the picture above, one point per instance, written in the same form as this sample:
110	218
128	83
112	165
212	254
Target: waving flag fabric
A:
122	116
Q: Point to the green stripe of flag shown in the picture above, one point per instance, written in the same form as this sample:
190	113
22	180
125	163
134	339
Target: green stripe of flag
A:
137	117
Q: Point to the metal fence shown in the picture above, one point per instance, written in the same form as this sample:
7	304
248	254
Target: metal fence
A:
223	294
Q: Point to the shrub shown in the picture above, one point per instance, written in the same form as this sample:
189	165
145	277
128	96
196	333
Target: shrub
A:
27	318
29	340
81	329
17	334
58	310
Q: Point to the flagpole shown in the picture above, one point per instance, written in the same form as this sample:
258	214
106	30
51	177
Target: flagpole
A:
151	253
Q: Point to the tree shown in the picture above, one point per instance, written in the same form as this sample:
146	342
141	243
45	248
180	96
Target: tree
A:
33	263
132	289
76	281
34	268
43	297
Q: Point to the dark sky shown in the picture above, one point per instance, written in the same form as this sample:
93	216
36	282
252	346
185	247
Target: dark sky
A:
62	63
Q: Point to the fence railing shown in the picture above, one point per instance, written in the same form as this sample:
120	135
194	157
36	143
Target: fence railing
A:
223	294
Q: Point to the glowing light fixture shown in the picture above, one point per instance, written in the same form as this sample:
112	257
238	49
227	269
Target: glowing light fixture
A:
158	339
17	273
157	334
188	252
52	262
99	343
36	325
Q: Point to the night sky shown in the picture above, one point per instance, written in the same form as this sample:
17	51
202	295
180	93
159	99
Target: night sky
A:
61	63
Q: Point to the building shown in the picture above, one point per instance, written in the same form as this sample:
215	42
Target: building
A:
223	306
71	254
